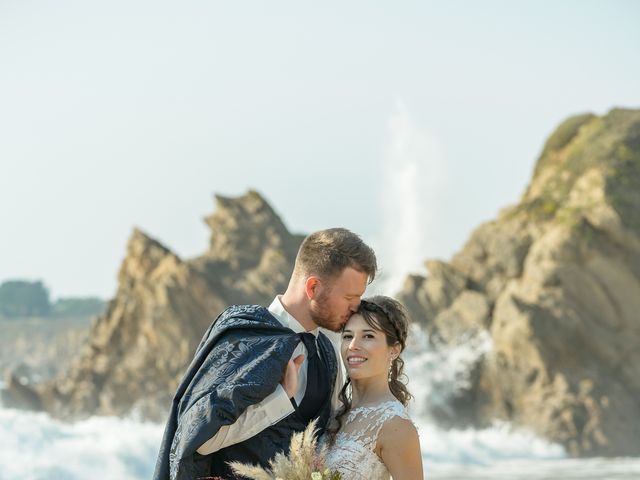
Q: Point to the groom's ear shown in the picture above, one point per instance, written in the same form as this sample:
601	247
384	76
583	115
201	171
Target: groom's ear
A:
311	286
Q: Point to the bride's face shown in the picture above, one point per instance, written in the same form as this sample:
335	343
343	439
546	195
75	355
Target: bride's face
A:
364	349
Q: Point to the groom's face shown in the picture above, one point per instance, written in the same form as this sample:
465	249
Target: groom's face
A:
335	301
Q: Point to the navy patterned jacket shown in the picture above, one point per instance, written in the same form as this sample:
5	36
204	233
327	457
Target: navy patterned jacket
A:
239	362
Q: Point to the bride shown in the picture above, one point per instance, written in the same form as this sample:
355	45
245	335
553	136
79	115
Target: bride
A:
373	437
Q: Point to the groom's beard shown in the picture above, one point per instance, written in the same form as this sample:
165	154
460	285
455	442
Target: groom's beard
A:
323	316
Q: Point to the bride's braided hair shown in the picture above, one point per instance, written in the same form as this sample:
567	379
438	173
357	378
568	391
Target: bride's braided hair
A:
389	316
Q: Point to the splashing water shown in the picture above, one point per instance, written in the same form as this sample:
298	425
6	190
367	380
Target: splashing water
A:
436	376
414	173
498	452
33	446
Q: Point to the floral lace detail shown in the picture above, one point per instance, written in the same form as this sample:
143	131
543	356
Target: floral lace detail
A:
352	453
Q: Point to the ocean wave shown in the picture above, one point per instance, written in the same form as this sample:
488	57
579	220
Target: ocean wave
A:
34	446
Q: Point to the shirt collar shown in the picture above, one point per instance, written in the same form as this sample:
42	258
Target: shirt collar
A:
286	319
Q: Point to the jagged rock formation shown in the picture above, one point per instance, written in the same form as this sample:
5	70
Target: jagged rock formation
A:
555	281
138	350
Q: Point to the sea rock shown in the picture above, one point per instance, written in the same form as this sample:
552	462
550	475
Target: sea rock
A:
425	297
139	348
555	282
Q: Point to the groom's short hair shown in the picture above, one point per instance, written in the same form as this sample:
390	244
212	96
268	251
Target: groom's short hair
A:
327	253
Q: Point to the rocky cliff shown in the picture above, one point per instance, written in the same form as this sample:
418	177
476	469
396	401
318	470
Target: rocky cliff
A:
139	348
555	282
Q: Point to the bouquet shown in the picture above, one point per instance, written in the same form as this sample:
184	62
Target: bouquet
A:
305	461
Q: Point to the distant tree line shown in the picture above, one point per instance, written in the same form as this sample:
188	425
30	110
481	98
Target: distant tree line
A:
20	298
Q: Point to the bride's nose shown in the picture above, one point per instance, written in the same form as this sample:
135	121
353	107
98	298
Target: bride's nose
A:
354	344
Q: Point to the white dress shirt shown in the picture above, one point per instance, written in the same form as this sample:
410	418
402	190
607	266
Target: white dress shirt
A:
277	405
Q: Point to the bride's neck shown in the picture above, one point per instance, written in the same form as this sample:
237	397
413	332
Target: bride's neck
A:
370	391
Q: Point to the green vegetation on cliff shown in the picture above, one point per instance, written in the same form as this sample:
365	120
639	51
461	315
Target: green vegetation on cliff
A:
609	144
26	299
19	298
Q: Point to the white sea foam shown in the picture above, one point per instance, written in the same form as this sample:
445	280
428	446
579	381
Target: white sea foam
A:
496	453
560	469
437	376
33	446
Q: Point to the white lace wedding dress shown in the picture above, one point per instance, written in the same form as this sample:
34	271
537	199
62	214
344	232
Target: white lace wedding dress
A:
352	453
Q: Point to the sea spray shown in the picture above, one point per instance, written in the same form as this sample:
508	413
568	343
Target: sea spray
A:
34	446
414	177
436	376
500	452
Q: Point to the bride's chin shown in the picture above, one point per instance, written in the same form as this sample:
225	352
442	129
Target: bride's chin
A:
353	373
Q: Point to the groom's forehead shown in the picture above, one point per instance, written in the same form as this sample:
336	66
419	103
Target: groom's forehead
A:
352	280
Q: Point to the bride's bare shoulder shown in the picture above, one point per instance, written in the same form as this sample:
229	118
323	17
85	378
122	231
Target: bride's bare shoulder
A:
399	448
397	429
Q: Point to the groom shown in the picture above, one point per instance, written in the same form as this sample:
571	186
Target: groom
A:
259	374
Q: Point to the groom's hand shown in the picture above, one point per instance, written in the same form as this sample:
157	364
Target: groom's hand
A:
290	378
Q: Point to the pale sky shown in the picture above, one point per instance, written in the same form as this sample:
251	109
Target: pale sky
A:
408	122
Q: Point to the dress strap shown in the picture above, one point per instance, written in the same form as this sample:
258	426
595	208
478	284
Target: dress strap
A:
387	411
366	422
